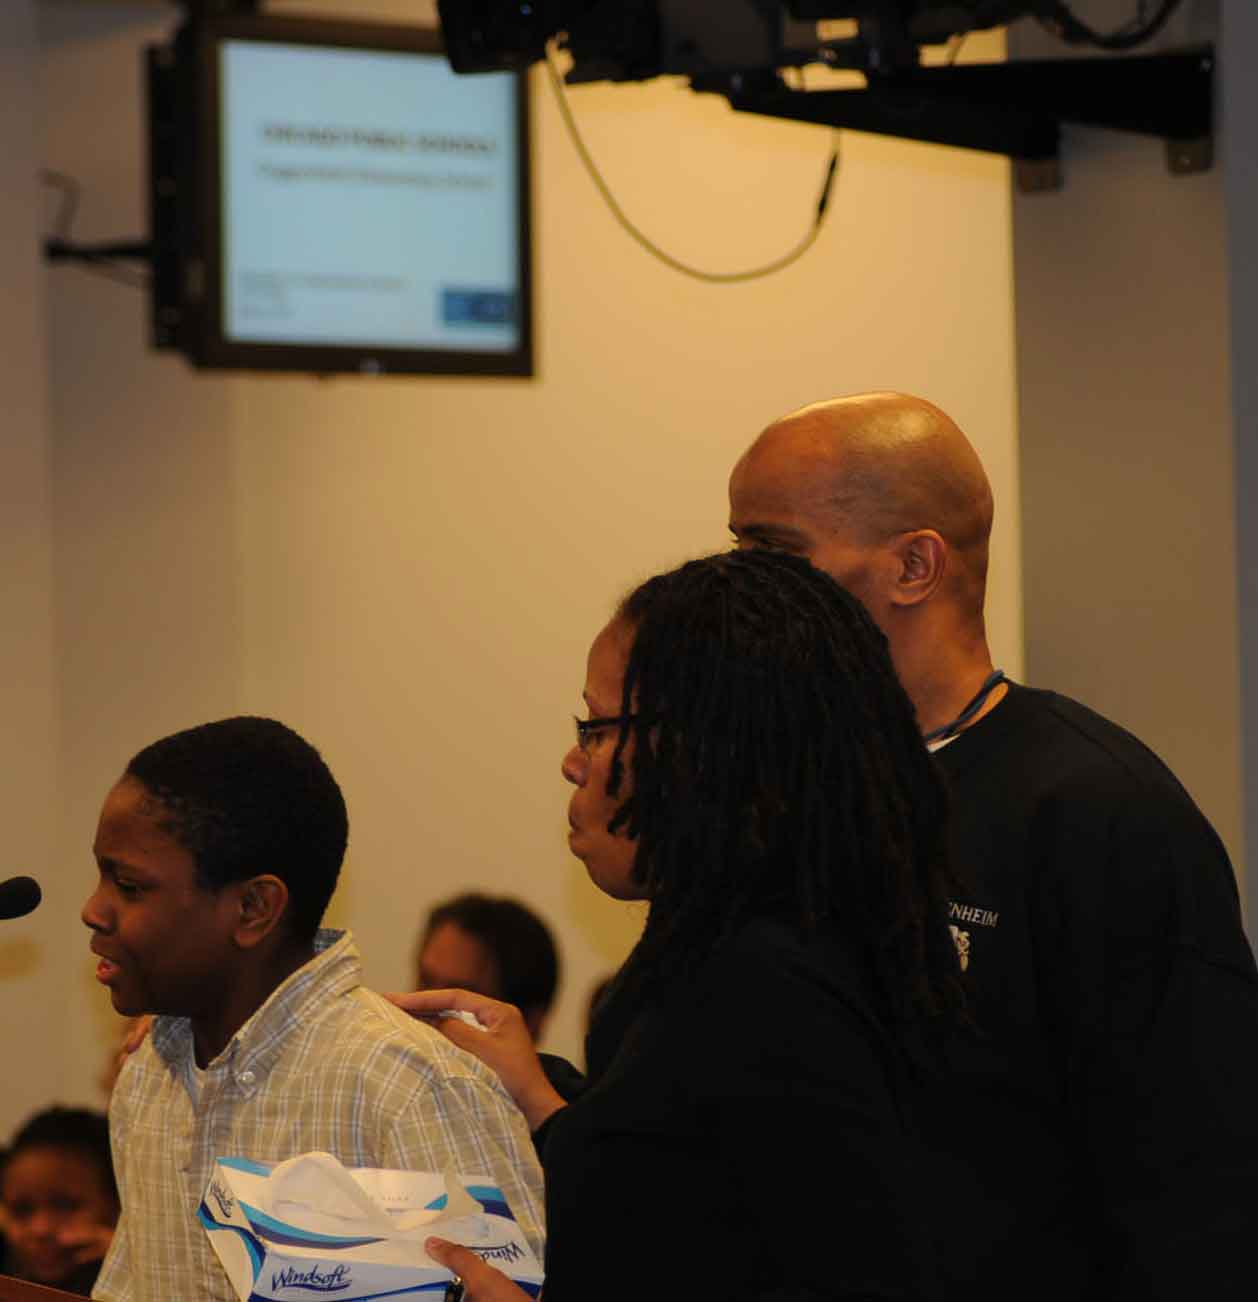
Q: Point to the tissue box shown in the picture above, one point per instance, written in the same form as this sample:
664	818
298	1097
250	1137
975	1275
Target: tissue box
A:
310	1226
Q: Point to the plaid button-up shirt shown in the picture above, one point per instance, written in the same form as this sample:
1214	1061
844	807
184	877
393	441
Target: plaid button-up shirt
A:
323	1065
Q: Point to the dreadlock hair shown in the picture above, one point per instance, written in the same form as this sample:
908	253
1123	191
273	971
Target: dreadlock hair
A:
778	769
249	795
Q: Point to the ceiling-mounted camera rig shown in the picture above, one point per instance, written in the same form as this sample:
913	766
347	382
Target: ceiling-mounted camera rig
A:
738	48
1018	109
220	8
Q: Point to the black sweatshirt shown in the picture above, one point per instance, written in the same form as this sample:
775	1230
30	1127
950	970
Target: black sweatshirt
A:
1100	1139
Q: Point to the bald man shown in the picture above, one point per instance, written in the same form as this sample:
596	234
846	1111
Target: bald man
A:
1100	1138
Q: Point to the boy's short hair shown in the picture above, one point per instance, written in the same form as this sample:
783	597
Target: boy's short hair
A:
246	796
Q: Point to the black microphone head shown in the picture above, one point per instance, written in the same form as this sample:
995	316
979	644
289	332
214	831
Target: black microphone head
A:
19	896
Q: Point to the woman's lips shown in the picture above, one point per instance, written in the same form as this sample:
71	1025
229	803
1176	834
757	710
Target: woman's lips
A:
106	970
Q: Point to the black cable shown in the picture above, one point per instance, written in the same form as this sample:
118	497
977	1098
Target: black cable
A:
104	259
1064	24
69	204
56	250
111	271
712	277
100	258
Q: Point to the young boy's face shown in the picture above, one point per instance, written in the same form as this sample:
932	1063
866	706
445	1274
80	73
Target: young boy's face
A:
164	942
49	1196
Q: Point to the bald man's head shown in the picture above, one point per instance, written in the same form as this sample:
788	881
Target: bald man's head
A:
840	481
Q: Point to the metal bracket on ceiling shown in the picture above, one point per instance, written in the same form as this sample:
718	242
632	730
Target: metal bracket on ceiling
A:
1018	108
220	8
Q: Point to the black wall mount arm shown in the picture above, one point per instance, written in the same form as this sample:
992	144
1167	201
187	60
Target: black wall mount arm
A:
1017	108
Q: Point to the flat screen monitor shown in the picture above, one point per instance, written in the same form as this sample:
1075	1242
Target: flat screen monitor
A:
331	197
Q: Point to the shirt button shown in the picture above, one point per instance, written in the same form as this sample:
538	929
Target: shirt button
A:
246	1078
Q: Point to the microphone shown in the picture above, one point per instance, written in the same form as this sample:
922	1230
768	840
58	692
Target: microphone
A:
19	896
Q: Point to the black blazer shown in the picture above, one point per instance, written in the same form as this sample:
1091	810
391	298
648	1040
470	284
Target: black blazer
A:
746	1138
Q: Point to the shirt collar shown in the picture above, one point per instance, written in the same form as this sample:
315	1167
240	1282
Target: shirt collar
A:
335	969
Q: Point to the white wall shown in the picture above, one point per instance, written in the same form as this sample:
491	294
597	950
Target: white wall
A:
1126	428
34	966
410	570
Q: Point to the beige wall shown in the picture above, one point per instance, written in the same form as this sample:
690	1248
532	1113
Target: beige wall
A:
34	966
410	571
1127	430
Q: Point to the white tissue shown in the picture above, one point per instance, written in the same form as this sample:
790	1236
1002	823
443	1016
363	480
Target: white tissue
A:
317	1192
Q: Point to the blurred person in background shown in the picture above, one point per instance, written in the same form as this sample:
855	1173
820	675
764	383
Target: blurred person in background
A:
493	946
58	1199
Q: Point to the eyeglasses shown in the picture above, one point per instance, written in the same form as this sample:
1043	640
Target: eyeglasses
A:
589	730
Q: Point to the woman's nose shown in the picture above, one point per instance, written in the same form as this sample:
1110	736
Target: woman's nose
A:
575	766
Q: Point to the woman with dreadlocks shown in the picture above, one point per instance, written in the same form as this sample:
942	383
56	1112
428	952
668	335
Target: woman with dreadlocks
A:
750	767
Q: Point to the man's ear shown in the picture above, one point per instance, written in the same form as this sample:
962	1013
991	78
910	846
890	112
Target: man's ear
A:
263	902
923	562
